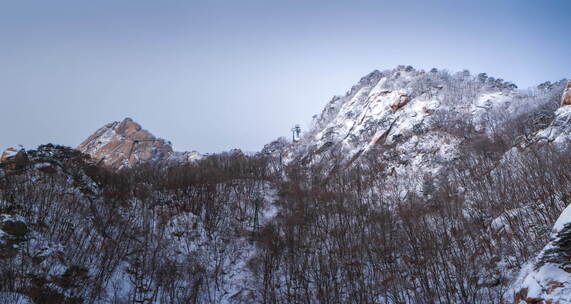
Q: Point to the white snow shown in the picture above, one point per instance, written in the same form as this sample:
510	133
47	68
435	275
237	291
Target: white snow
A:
563	219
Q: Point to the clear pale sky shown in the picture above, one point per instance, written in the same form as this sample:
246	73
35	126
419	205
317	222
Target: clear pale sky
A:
215	75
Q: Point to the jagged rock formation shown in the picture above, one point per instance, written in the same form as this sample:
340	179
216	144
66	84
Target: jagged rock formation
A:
124	144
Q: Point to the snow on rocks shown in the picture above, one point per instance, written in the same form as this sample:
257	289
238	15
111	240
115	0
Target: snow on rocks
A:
547	278
559	132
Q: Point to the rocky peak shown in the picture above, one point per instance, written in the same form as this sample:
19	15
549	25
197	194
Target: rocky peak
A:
124	144
395	109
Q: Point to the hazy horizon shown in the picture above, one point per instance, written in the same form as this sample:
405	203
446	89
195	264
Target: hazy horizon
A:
218	75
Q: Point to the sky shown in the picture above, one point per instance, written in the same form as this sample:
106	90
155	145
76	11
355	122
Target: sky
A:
215	75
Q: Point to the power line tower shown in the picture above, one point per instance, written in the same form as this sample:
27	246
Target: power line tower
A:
296	133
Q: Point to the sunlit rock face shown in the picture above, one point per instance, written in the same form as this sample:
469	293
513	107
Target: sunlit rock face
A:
566	99
124	144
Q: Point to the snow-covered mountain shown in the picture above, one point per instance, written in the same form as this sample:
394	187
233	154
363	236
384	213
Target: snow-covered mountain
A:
416	120
126	143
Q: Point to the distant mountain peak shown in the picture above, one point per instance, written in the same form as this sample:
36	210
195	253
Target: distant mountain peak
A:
124	144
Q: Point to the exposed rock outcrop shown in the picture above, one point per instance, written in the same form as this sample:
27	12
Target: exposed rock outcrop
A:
400	102
124	144
10	153
566	99
14	158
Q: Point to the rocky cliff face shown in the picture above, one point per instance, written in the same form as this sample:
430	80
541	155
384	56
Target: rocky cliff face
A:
123	144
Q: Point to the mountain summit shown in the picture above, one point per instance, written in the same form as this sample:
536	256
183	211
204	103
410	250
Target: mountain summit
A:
419	121
124	144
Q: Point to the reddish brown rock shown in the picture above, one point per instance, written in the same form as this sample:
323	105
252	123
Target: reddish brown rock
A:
553	285
566	98
400	102
520	295
14	158
124	144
